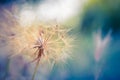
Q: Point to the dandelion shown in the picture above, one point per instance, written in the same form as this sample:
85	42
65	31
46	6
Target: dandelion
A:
100	45
41	43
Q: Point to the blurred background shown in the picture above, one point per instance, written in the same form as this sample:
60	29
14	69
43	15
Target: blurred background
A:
95	23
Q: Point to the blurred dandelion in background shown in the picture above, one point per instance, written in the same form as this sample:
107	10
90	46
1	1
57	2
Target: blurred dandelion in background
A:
100	45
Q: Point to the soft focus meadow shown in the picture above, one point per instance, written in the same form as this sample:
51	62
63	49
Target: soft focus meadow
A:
93	26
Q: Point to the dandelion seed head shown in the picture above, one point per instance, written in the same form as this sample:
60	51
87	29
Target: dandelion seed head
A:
58	43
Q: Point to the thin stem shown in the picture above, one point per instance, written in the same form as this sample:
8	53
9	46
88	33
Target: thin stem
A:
53	63
36	68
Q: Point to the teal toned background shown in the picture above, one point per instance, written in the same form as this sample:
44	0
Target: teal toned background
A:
95	18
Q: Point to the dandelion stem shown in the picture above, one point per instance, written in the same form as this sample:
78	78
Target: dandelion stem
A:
53	63
36	68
